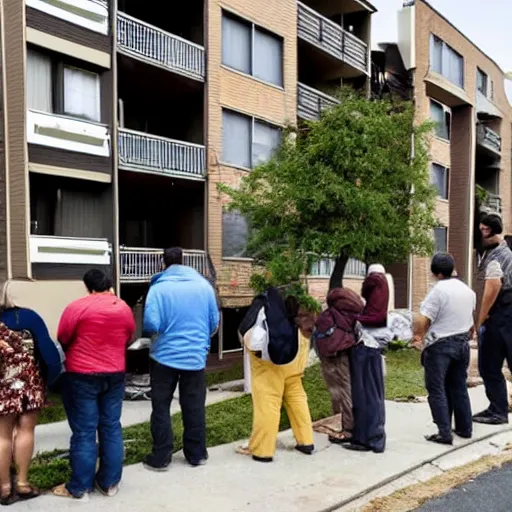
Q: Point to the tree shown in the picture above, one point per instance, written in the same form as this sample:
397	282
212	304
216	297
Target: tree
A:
347	186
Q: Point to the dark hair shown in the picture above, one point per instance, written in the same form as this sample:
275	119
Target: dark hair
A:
494	222
442	264
173	256
96	280
508	239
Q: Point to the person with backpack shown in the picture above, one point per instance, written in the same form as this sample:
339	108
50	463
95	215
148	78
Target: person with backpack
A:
334	337
281	331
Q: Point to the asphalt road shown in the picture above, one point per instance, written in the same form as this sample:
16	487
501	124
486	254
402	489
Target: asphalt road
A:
490	492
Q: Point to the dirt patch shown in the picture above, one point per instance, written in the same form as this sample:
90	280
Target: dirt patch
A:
413	497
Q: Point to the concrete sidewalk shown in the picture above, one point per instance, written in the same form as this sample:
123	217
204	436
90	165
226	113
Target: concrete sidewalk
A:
55	436
293	483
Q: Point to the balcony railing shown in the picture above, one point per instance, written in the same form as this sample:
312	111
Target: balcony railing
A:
144	152
152	44
139	265
332	38
492	204
489	138
310	102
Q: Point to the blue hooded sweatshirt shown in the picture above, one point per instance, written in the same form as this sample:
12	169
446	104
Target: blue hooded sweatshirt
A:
181	310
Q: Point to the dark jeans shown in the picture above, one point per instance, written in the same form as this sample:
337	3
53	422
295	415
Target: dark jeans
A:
446	371
93	405
192	392
494	347
368	405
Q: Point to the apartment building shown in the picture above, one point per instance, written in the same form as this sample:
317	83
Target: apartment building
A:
119	120
463	90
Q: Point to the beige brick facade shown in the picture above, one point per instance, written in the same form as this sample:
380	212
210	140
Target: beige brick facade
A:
459	155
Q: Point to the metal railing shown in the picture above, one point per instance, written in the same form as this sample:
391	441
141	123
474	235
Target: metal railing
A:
325	267
492	204
311	102
139	265
142	151
150	43
489	138
330	37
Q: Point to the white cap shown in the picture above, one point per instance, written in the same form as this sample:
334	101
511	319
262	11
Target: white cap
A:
376	268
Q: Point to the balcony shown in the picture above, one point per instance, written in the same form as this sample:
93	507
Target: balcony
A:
310	102
56	131
67	250
492	204
331	38
150	44
488	139
139	265
90	14
140	151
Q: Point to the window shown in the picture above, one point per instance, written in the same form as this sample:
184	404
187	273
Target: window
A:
491	95
441	239
482	81
252	50
446	61
57	88
247	142
235	233
442	117
81	94
439	178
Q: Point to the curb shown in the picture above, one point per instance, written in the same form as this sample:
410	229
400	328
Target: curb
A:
391	479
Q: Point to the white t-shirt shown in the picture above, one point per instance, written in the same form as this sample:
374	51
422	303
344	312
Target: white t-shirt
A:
449	306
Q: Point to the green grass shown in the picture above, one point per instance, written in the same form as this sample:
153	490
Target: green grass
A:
54	410
231	420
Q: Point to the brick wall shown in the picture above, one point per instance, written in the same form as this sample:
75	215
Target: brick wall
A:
229	89
3	205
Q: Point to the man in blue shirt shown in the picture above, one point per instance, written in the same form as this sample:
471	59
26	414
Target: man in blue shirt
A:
181	313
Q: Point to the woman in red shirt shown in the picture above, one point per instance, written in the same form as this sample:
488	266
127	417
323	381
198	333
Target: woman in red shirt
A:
94	332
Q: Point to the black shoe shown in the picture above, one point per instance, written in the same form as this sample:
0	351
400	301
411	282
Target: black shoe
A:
437	438
151	465
306	449
464	435
483	414
262	459
357	447
491	420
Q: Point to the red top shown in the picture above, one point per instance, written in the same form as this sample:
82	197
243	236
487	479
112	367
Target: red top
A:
94	331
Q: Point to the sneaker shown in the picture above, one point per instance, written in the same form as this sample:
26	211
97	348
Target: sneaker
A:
482	414
110	492
491	420
150	465
201	462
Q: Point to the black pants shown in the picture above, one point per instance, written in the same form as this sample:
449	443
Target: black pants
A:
192	393
446	370
368	405
494	346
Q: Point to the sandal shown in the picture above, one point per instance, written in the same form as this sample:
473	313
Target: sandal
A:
340	438
244	450
7	497
26	491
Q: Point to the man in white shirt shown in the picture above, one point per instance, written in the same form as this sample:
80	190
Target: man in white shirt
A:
445	322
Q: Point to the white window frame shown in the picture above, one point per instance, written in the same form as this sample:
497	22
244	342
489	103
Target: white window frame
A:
253	120
98	91
446	171
253	28
445	47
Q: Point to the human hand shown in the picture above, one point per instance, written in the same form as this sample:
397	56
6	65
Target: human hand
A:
417	343
5	347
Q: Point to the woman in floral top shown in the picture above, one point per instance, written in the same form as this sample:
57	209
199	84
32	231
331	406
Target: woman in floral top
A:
29	361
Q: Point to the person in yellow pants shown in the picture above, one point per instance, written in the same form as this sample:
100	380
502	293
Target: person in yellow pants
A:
274	386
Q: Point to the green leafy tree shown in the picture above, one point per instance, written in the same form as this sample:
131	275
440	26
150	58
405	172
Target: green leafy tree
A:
355	184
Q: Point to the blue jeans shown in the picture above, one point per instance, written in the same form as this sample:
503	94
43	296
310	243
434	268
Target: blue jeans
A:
446	369
93	405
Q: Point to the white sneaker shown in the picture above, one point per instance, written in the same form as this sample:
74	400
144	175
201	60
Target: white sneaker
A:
110	492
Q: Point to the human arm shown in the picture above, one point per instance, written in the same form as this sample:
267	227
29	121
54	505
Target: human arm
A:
152	312
67	324
492	288
214	315
130	325
427	315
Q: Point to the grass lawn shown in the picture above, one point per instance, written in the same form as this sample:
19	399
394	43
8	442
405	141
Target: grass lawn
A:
231	420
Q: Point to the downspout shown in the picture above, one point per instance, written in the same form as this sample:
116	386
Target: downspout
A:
411	259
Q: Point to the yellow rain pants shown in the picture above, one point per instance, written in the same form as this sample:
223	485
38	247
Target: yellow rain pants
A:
272	387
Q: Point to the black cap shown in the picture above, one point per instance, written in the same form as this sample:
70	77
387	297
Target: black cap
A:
494	222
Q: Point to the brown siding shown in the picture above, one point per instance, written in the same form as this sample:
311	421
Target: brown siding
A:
461	199
14	13
400	278
107	98
3	205
57	271
63	158
69	31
